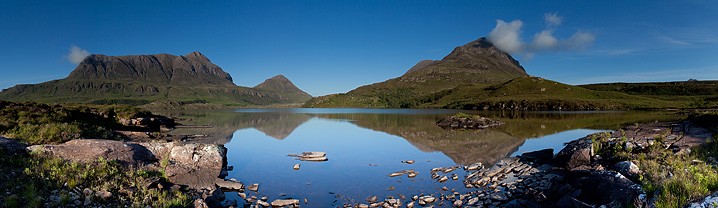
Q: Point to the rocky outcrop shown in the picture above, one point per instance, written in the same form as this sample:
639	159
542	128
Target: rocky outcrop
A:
576	153
582	174
191	69
194	165
155	81
467	122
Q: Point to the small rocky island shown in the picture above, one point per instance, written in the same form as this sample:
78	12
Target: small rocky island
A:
466	121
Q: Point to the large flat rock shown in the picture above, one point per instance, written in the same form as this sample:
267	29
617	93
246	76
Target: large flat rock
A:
194	165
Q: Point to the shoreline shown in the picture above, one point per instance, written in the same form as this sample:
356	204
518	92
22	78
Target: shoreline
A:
532	179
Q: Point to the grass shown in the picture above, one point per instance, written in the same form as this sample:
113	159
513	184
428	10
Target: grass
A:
672	179
35	123
32	179
522	93
700	94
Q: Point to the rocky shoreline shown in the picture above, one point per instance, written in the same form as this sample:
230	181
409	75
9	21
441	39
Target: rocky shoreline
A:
580	175
588	172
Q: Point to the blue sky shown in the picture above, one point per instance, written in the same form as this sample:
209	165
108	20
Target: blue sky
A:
334	46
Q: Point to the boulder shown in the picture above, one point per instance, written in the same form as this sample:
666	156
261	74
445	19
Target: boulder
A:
710	201
603	188
540	156
628	169
87	150
194	165
575	154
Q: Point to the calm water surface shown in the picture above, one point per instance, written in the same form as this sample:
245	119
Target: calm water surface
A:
365	145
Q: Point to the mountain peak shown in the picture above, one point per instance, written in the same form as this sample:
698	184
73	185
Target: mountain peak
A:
191	69
482	42
482	54
279	78
196	55
280	83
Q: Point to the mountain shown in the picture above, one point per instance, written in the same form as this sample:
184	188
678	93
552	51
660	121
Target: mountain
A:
477	62
480	76
160	69
154	81
283	87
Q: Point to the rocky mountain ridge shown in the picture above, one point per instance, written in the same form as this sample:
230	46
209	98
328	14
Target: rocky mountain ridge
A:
158	81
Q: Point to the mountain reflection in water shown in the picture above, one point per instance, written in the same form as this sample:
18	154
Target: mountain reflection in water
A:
417	126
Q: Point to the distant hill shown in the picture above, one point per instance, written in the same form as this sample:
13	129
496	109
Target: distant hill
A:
480	76
281	86
685	88
158	81
699	94
477	62
534	93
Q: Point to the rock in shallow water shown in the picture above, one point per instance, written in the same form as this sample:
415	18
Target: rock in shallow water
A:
467	122
229	184
253	187
285	202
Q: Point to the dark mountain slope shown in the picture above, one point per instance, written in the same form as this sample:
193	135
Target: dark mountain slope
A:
161	81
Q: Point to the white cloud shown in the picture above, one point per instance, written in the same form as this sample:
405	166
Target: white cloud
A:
552	19
544	41
77	54
578	41
507	37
